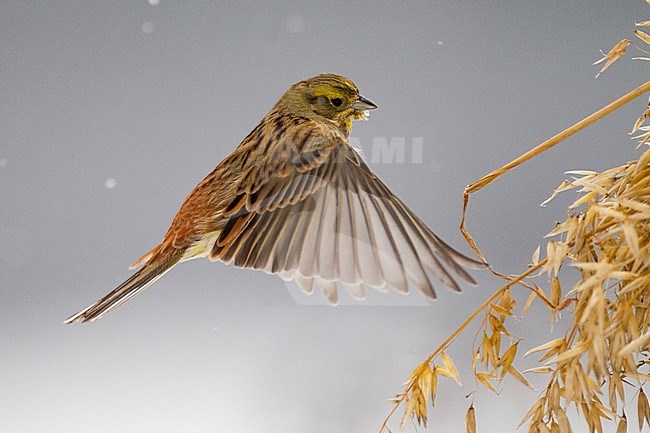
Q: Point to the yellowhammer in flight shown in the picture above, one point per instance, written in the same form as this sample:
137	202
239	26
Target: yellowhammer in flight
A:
296	200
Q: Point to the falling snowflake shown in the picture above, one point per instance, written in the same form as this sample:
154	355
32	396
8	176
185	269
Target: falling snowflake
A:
296	24
110	183
147	27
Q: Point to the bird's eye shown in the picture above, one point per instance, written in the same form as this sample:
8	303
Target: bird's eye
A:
337	102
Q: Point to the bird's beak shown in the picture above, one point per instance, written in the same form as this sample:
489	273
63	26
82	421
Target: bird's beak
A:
363	104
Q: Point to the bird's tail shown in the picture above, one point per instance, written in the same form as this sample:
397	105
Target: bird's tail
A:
139	281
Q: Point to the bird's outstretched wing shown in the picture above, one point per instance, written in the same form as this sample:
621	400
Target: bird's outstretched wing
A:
323	218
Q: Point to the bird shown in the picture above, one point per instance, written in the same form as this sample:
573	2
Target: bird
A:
295	199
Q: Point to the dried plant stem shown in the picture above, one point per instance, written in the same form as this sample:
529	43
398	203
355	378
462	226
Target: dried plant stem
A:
482	307
495	174
459	330
487	179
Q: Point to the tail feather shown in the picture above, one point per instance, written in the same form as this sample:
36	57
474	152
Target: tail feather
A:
125	291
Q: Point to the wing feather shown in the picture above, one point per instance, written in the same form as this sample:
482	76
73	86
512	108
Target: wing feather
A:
327	220
325	265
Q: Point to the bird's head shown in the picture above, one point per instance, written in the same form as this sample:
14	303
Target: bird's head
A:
328	96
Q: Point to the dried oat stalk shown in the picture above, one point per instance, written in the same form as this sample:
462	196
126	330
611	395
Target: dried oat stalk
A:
603	356
599	366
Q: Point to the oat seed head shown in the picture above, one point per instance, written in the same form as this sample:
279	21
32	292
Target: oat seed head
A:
599	367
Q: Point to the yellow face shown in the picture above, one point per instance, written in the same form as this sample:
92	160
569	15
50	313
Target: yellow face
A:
332	101
330	96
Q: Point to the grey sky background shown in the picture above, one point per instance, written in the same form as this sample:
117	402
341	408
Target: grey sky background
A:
112	111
